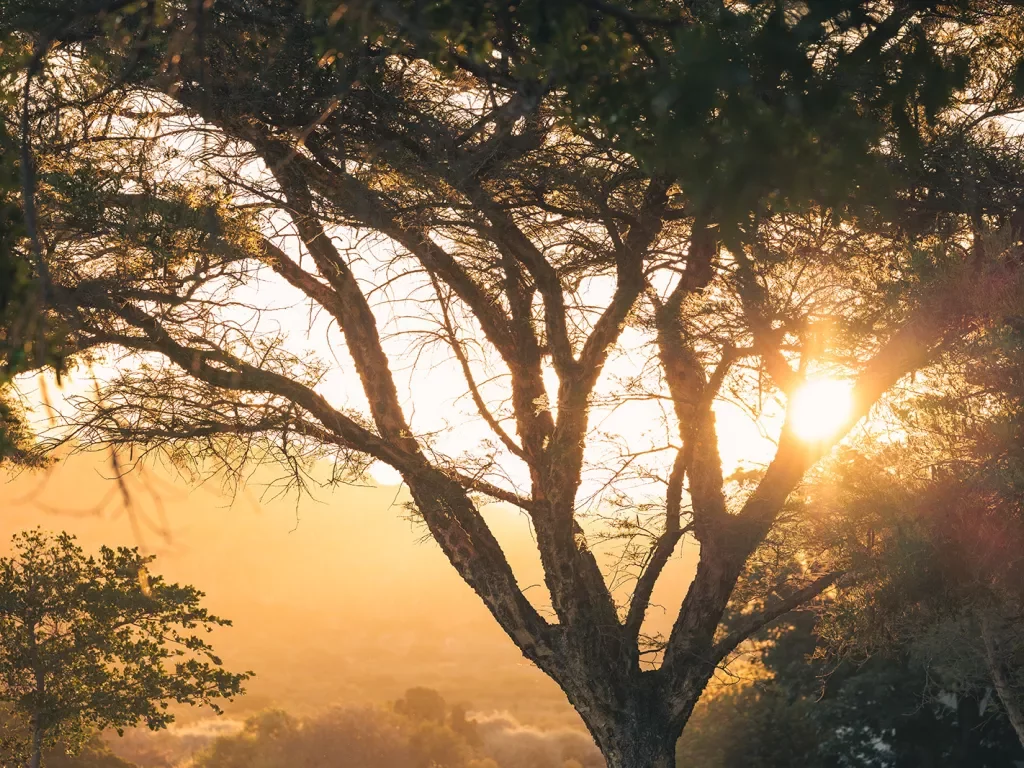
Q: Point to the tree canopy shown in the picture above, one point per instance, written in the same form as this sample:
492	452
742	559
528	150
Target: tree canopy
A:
581	215
88	643
892	710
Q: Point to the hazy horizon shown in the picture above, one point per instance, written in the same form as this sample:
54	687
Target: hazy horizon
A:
357	606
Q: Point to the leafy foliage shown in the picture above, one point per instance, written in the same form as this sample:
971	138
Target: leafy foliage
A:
88	751
894	710
749	106
99	642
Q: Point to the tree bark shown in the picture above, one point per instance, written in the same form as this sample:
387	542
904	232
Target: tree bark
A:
636	743
1000	681
629	717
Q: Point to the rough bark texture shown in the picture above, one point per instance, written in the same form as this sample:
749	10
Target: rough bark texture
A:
630	718
639	745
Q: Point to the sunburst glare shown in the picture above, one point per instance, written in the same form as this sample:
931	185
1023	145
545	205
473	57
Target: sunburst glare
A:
819	408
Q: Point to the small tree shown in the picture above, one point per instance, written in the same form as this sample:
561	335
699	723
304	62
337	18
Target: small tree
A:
97	642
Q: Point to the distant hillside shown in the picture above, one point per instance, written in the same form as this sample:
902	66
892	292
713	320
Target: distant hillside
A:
338	600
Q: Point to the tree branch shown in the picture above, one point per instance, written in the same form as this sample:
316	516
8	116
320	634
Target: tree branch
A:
309	284
751	624
452	518
467	373
358	322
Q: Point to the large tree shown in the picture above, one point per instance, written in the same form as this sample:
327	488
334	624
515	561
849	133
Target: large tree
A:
583	209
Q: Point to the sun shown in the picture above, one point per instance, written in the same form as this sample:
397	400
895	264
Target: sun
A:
819	408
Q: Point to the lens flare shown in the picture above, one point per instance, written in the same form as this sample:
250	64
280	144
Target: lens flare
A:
819	408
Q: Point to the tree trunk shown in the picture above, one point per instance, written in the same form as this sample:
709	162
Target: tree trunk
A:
35	757
1000	680
638	745
636	731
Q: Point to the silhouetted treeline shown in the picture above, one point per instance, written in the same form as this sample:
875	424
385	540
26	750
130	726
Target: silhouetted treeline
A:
420	730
